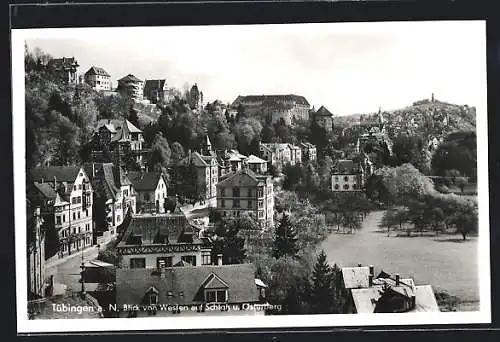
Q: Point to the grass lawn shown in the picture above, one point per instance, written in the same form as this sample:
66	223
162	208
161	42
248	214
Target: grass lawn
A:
445	262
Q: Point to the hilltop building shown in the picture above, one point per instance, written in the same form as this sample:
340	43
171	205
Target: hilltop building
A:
362	292
275	108
323	118
64	194
66	68
246	191
131	87
98	78
156	91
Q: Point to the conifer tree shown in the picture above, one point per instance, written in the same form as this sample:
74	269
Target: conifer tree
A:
323	298
285	240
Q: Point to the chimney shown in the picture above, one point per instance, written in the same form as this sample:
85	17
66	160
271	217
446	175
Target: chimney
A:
397	279
219	259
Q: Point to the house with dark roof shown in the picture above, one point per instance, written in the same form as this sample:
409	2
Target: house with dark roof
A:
190	291
277	108
66	68
362	292
151	190
131	87
98	78
347	176
324	118
64	194
247	192
162	240
115	138
112	183
280	154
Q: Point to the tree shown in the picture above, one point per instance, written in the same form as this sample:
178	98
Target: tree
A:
229	243
459	152
351	220
323	298
160	153
285	239
466	220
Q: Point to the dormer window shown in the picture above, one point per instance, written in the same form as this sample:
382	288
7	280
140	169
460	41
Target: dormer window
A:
216	296
153	298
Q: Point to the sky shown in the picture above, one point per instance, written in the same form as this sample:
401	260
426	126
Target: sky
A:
347	67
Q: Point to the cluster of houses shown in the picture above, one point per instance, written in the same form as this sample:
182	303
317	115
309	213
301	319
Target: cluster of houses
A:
164	258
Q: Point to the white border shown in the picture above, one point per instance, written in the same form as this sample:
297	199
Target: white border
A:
189	323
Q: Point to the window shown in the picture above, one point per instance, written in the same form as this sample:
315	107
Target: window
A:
138	263
236	203
74	187
86	212
205	259
354	186
162	262
73	200
336	186
79	187
346	178
58	219
74	215
336	178
222	192
346	186
216	296
250	204
153	298
260	192
190	259
79	229
261	214
64	218
78	214
222	203
147	197
125	192
236	192
261	203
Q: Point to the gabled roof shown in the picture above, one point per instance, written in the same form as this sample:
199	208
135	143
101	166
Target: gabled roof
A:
97	71
46	190
252	159
113	177
345	166
145	181
322	111
60	173
242	178
355	277
214	282
129	78
172	226
185	284
63	63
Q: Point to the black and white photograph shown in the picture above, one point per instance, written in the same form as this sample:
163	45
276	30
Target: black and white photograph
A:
247	176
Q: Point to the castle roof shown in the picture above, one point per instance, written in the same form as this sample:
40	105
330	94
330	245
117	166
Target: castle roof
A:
322	111
271	99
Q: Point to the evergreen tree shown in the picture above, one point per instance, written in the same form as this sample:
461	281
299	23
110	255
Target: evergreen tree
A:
285	240
229	243
323	297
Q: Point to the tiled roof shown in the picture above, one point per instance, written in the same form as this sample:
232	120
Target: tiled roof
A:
356	277
113	177
254	159
129	78
120	128
144	180
60	173
245	177
185	284
271	99
46	190
151	227
97	71
322	111
345	166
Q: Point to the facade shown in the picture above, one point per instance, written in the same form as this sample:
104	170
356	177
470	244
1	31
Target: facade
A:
247	192
114	139
162	240
190	291
280	155
256	164
65	197
66	68
324	118
309	151
131	87
98	79
276	108
362	292
150	191
347	176
116	188
295	154
36	252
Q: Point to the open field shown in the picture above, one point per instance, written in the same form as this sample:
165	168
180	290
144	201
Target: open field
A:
445	262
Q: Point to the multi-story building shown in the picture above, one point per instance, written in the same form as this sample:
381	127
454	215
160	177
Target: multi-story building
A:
280	155
65	197
114	139
324	118
276	108
245	191
256	164
347	176
295	154
151	190
162	240
309	151
66	68
98	78
131	87
190	291
36	251
111	182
